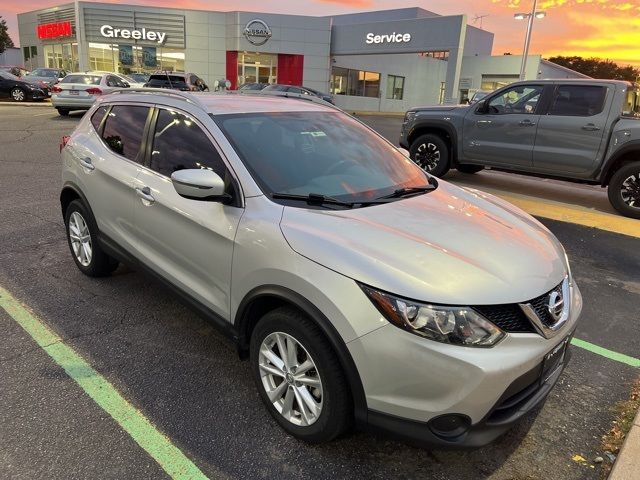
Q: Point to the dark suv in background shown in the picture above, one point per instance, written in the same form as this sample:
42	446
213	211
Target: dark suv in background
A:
177	81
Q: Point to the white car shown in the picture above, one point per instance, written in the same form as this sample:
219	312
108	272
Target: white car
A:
360	287
78	91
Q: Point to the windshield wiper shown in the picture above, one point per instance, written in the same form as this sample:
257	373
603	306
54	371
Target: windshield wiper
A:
407	191
313	199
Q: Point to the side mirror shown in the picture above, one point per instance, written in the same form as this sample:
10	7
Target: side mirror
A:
405	152
483	106
199	184
126	84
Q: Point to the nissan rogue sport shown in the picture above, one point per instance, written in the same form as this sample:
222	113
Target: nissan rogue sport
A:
363	290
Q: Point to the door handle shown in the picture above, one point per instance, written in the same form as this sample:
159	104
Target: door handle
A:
527	123
483	122
145	194
590	127
86	163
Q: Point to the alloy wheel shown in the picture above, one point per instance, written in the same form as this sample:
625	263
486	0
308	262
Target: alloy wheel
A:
290	379
80	239
427	156
630	190
17	95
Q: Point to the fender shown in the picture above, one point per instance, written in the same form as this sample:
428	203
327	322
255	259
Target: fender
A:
72	186
631	146
436	123
242	324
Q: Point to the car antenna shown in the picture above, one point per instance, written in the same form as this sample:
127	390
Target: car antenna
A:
168	79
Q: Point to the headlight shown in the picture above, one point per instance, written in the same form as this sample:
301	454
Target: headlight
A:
453	325
409	116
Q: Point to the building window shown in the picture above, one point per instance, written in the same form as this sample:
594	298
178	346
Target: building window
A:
493	82
127	59
357	83
257	68
439	55
395	87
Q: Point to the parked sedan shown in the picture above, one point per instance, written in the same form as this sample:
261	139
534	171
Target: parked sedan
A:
19	90
78	91
177	81
298	90
45	77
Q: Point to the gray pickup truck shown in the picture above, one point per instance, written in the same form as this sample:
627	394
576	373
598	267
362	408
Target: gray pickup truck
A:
584	131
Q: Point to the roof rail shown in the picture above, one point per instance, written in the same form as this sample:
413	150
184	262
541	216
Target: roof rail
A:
186	96
298	96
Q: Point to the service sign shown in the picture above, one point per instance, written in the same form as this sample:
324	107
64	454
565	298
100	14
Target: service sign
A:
388	38
54	30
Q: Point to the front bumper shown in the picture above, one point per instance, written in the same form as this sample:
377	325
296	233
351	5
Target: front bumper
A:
409	381
521	397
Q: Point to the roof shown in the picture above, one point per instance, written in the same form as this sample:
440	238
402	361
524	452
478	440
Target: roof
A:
220	103
623	83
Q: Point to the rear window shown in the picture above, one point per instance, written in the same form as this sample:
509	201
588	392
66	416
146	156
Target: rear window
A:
83	79
165	78
123	130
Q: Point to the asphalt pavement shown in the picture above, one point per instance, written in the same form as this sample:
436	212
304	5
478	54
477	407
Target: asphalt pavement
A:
188	381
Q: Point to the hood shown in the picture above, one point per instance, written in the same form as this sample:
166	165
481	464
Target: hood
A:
451	246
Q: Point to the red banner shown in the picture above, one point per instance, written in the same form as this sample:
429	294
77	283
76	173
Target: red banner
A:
54	30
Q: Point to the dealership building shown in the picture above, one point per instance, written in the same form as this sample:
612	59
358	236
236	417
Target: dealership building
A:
372	61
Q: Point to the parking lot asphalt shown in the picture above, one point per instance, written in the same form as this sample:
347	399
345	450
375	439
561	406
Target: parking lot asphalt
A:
188	381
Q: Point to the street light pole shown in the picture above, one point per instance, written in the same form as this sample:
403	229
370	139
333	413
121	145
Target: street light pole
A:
527	39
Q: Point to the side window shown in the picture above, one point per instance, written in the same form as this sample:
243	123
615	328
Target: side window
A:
578	100
522	99
97	117
179	143
123	130
113	81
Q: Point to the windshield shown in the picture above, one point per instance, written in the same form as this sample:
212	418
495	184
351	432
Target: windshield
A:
323	153
631	107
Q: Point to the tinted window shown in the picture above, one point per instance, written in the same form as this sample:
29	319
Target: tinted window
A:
84	79
97	117
179	143
578	100
318	152
123	130
113	81
519	99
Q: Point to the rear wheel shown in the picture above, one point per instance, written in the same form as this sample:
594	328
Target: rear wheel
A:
298	376
63	112
624	190
431	153
83	242
469	168
18	95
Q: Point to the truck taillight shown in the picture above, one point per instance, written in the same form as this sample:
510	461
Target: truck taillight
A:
64	141
94	91
56	89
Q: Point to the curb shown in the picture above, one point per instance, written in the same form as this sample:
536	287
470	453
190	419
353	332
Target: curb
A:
43	103
627	466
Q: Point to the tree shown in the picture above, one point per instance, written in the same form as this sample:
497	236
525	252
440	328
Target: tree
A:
598	68
5	39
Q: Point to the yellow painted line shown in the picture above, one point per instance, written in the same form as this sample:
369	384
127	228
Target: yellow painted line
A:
569	213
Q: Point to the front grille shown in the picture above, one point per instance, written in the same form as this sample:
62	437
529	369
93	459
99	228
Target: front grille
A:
540	306
509	318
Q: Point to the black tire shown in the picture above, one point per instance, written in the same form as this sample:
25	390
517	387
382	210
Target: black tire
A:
18	94
469	168
431	153
337	407
624	190
63	112
100	264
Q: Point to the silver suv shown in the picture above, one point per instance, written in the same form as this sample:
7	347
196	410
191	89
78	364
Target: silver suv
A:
361	289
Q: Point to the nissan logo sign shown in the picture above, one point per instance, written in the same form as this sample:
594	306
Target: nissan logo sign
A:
257	32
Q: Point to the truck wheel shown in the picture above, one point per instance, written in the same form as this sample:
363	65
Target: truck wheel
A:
469	168
431	153
624	190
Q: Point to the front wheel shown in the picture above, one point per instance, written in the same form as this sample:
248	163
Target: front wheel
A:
624	190
63	112
298	376
431	153
18	95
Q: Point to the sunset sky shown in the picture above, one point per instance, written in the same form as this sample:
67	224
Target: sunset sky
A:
601	28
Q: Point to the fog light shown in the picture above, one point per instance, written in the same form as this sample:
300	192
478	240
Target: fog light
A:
450	425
